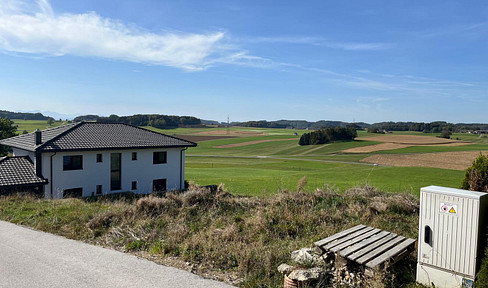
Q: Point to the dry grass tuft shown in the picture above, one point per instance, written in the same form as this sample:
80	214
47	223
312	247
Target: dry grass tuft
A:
219	233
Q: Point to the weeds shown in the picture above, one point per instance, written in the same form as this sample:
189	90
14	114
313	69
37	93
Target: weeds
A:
220	234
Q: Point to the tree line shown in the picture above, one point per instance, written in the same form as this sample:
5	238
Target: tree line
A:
299	124
154	120
327	135
21	115
432	127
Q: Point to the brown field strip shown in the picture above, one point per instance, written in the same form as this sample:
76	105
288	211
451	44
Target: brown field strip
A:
235	133
200	138
374	148
444	160
392	142
253	142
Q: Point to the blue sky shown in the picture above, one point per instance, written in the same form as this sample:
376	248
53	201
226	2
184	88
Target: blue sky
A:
357	61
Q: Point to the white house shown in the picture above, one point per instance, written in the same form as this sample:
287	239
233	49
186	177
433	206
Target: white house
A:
91	158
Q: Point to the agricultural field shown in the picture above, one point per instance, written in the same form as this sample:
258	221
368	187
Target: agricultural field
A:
262	161
254	161
32	125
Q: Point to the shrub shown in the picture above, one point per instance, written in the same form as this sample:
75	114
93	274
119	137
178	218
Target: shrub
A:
476	177
482	281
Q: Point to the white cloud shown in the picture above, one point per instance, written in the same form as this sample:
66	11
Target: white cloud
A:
319	41
33	28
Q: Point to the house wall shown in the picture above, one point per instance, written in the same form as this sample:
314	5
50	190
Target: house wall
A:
141	170
21	152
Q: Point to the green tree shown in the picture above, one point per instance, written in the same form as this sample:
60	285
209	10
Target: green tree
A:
476	176
50	121
446	134
7	130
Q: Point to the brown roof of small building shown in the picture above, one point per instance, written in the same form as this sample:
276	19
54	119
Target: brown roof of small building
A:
18	171
95	136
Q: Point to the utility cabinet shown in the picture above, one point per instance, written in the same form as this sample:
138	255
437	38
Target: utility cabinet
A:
452	236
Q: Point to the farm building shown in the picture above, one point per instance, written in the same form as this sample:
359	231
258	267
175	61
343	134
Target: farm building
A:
89	158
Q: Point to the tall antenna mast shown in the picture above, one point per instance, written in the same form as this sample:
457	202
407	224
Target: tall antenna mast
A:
228	125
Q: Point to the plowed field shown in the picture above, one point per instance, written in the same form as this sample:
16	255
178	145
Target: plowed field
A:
445	160
391	142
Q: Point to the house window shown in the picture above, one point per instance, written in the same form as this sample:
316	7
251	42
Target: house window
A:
159	185
134	185
73	162
99	189
73	193
159	157
134	155
99	158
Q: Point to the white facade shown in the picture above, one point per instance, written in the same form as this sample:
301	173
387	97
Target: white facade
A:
94	173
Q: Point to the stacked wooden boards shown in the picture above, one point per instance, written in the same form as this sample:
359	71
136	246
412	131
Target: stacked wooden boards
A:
367	246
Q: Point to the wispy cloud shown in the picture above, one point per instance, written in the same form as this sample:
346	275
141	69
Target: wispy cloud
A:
33	28
319	41
472	30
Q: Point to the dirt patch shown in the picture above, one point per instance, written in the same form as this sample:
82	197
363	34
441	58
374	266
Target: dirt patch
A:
403	141
235	133
252	142
445	160
374	148
413	140
200	138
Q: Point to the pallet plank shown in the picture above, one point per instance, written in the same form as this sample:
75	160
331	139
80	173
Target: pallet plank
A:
347	238
331	238
379	250
364	243
354	240
390	253
371	247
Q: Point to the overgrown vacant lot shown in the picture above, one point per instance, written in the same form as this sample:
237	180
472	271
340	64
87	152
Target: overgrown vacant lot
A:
240	240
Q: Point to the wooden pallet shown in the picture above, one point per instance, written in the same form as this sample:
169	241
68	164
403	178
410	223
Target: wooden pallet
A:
373	248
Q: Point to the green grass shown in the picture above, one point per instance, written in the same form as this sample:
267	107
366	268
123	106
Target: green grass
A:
32	125
268	176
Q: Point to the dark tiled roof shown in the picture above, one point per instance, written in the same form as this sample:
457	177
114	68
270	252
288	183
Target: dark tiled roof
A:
18	171
27	141
97	136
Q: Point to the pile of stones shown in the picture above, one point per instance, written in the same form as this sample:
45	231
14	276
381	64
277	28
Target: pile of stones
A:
310	268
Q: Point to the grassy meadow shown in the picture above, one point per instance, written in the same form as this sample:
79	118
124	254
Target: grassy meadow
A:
274	161
265	168
32	125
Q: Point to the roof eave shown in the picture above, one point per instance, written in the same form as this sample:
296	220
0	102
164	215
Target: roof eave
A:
116	148
19	147
24	185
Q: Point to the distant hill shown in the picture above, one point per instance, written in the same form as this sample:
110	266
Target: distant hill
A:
299	124
154	120
22	115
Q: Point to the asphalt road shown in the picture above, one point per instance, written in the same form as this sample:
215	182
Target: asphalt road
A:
31	258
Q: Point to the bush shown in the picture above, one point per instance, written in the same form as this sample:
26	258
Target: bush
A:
476	177
446	134
482	281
